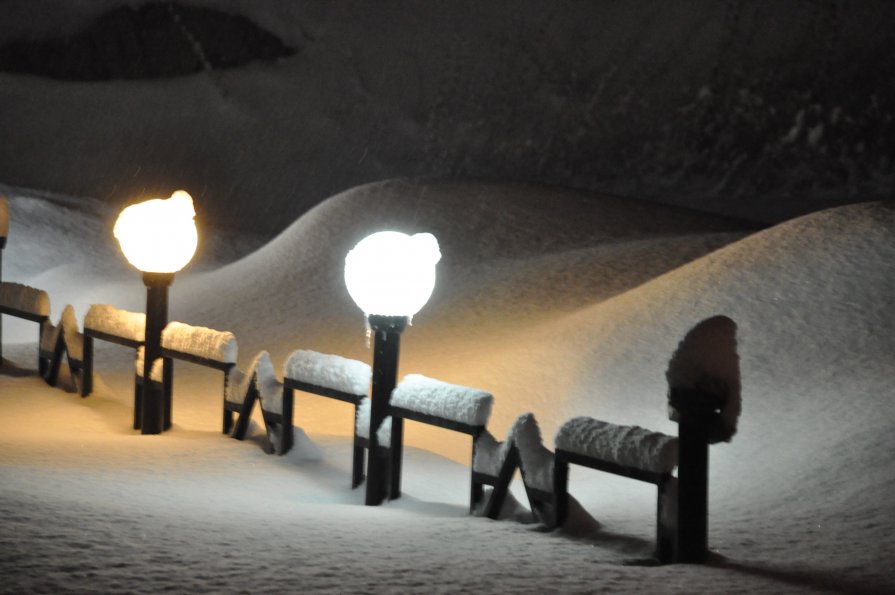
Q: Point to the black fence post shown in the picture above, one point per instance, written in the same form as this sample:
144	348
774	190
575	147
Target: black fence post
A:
696	412
386	346
560	490
87	367
665	516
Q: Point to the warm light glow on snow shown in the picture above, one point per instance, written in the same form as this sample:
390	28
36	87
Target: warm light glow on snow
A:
391	273
4	218
158	235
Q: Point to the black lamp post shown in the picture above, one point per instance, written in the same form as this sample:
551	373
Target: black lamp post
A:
159	238
390	276
153	416
386	345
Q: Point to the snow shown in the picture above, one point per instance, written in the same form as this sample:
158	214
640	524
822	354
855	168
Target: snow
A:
559	302
207	343
534	458
559	306
362	424
448	401
489	454
68	324
706	360
262	372
24	298
630	446
157	366
108	319
330	371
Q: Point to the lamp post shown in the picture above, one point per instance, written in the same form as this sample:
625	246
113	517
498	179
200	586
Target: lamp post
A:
158	237
390	276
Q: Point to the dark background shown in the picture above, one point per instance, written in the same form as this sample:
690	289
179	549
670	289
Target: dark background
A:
760	109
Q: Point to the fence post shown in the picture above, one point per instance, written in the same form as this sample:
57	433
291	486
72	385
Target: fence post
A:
696	411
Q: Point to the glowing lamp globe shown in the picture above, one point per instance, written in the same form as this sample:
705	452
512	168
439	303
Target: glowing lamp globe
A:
158	235
390	273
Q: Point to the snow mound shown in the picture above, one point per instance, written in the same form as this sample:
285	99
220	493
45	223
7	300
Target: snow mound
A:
329	371
629	446
448	401
118	323
200	341
24	298
518	251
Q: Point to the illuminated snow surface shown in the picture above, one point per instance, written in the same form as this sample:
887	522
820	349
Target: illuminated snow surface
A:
556	304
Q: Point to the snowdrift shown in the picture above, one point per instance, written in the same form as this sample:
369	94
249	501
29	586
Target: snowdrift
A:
512	255
562	306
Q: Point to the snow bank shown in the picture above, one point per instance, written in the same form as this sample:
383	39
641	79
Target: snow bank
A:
261	370
118	323
330	371
68	324
24	298
448	401
630	446
155	373
202	342
535	459
4	217
362	424
706	363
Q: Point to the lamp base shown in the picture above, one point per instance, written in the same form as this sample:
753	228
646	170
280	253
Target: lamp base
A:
158	279
388	324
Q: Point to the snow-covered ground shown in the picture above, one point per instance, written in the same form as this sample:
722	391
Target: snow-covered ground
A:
556	303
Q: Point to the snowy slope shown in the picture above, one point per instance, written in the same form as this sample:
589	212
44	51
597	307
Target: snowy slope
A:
799	498
510	253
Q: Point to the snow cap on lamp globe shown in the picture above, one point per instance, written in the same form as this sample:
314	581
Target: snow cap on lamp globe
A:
390	273
158	235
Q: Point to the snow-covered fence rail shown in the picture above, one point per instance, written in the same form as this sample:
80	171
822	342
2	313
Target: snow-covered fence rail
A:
628	451
704	398
194	344
334	377
495	463
430	401
259	384
27	303
108	323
